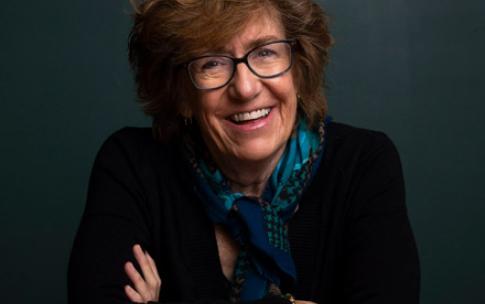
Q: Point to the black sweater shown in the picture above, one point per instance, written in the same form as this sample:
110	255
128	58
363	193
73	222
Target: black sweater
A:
350	239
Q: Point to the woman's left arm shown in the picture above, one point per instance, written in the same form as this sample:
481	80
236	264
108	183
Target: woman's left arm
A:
381	254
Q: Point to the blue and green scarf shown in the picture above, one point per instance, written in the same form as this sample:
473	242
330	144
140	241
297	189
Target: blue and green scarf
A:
259	224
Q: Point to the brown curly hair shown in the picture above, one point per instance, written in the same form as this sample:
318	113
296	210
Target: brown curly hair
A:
166	33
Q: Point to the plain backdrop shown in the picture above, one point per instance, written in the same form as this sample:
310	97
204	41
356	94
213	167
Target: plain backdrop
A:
413	69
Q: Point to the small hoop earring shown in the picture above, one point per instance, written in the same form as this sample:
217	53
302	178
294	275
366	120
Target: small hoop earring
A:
298	98
187	121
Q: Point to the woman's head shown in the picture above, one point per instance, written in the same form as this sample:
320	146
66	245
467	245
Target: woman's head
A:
168	33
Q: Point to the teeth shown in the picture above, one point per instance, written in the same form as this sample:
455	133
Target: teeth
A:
240	117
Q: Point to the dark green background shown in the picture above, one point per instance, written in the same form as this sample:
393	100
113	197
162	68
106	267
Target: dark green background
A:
414	69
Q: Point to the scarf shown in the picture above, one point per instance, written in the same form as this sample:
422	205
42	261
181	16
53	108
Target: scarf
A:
259	224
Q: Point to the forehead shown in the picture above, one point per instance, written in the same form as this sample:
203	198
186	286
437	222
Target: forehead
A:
232	31
258	30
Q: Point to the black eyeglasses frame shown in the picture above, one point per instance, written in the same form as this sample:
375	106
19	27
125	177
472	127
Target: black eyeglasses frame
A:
292	43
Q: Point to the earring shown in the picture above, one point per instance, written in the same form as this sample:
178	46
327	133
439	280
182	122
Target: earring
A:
298	98
187	121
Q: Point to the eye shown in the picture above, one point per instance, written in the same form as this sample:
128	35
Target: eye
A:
265	52
211	63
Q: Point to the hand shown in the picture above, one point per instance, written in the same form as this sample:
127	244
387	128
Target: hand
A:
146	287
304	302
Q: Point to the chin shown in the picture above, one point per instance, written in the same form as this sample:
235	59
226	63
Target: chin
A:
258	150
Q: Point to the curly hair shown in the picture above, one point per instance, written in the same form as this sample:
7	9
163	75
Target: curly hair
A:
166	33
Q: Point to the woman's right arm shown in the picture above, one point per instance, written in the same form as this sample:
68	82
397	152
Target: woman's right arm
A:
113	221
116	217
146	285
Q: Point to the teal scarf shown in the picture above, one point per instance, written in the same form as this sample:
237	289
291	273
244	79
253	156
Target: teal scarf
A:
259	225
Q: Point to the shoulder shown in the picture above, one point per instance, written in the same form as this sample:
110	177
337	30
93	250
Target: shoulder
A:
351	146
136	150
135	142
348	136
129	138
366	165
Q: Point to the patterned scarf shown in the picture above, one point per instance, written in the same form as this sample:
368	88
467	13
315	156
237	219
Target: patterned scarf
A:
259	224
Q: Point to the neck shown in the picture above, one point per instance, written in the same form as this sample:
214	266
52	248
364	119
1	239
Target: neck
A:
248	176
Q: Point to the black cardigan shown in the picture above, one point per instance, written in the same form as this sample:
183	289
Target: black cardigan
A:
350	240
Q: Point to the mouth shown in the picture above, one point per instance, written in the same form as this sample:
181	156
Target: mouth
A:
245	117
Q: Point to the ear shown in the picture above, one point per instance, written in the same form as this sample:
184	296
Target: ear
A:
185	109
187	97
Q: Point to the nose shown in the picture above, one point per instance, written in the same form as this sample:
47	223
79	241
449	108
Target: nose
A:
245	85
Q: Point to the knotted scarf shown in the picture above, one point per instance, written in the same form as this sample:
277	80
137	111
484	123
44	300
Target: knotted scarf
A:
259	224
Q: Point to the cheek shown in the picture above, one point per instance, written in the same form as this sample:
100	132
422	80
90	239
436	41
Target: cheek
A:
206	107
206	113
288	107
288	96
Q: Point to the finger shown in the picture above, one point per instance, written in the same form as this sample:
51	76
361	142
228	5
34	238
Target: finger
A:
137	280
144	265
153	265
157	276
133	295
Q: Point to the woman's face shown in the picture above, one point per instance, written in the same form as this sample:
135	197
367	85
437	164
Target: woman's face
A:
259	139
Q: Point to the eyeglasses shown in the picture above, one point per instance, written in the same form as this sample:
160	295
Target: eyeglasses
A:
269	60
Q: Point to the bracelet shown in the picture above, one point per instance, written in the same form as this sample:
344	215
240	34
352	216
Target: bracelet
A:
290	298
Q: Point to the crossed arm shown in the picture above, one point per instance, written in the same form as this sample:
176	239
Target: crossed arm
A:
146	286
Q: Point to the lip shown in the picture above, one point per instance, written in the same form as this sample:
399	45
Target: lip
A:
251	125
248	110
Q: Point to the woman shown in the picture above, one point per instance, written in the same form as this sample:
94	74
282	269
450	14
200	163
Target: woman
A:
246	191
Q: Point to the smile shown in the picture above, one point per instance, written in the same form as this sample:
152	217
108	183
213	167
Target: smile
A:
248	116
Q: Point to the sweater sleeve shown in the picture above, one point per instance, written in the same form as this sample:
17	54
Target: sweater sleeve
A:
381	256
117	216
114	220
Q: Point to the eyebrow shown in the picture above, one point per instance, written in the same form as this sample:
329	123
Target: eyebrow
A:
254	43
261	40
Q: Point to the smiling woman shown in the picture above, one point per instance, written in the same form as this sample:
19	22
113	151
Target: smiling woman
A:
243	190
245	146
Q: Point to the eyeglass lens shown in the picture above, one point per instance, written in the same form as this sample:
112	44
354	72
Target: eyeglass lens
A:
266	61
